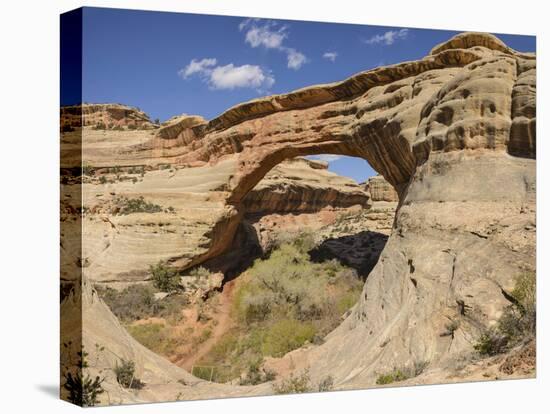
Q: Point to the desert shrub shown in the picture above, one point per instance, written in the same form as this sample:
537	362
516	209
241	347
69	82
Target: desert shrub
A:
450	328
204	372
401	374
391	377
326	384
164	278
125	374
491	342
199	272
100	126
304	242
132	126
87	169
294	384
518	321
287	335
137	205
281	303
138	302
117	128
83	389
103	179
256	374
155	336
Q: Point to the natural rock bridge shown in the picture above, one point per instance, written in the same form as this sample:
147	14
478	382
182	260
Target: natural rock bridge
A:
454	133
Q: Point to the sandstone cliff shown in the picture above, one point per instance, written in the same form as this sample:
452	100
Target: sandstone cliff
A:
109	115
301	186
380	190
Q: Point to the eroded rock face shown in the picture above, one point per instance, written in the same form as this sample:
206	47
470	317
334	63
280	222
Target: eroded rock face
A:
453	133
303	186
110	115
380	190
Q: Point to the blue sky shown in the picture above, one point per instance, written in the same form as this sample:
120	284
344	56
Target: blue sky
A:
172	63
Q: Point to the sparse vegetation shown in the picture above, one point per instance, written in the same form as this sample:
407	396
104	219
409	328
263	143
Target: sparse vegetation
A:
282	303
138	301
294	384
450	328
164	278
155	336
125	374
256	374
326	384
518	322
100	126
137	205
402	374
391	377
82	389
87	169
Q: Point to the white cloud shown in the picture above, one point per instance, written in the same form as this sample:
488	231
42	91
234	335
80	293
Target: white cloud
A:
388	38
271	35
197	66
325	157
228	76
330	56
245	76
295	59
267	36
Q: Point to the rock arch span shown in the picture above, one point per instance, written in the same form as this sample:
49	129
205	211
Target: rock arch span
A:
454	133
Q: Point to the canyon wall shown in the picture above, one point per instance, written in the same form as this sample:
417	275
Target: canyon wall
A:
303	186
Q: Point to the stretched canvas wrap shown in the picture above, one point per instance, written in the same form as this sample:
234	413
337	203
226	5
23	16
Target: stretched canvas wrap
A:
254	206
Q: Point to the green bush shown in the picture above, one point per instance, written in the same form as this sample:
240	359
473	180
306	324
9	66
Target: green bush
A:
164	278
294	384
326	384
518	321
154	336
281	303
286	335
137	205
199	272
87	169
137	302
256	374
394	376
125	374
83	390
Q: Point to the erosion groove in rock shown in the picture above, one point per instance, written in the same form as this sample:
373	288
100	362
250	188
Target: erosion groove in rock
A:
453	133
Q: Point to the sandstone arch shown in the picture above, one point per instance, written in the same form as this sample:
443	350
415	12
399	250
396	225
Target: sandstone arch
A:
454	133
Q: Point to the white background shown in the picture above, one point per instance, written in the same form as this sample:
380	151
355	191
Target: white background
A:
29	226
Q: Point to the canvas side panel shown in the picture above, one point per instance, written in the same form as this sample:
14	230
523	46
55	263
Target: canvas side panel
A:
71	209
